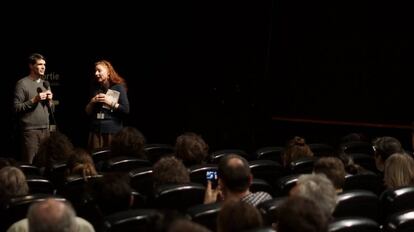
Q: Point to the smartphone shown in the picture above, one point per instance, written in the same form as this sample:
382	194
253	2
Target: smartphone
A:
212	176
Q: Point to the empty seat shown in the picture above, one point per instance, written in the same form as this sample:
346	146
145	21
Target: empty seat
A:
132	221
155	151
29	169
321	149
302	166
198	172
285	184
39	184
205	214
270	153
142	180
367	181
179	196
396	200
267	170
125	164
400	222
269	208
353	224
217	155
357	203
259	185
101	155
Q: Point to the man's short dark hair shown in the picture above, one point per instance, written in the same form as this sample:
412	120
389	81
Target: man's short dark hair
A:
34	57
236	177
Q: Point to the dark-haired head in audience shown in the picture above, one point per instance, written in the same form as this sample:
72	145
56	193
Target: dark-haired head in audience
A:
333	168
354	137
234	180
295	149
55	149
112	193
235	216
181	225
80	163
399	171
4	162
12	184
318	188
129	141
300	214
384	147
169	170
350	166
191	149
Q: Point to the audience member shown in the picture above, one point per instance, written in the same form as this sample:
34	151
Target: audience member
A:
295	149
399	171
181	225
51	215
12	184
385	147
333	168
191	149
129	141
317	188
235	216
80	163
112	193
169	170
350	166
300	214
55	149
234	180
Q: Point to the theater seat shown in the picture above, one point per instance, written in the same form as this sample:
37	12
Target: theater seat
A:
269	208
270	153
205	214
354	224
155	151
400	222
267	170
125	164
396	200
357	203
217	155
132	221
179	196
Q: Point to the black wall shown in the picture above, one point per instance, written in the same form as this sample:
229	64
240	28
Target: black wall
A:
220	68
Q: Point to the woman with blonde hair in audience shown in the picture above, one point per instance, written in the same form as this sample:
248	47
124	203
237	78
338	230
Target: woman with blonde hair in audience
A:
399	171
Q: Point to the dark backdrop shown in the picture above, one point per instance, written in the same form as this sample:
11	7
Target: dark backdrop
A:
222	69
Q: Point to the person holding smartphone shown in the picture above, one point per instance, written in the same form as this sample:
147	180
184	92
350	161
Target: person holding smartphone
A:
234	180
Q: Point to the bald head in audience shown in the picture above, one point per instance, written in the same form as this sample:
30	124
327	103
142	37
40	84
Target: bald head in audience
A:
51	216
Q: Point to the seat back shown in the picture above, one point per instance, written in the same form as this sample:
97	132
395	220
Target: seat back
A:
56	174
259	185
39	184
101	155
179	196
357	203
125	164
217	155
205	214
357	147
285	184
270	153
142	180
132	221
269	208
321	149
396	200
353	224
400	222
267	170
29	169
365	160
198	172
302	166
155	151
367	181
